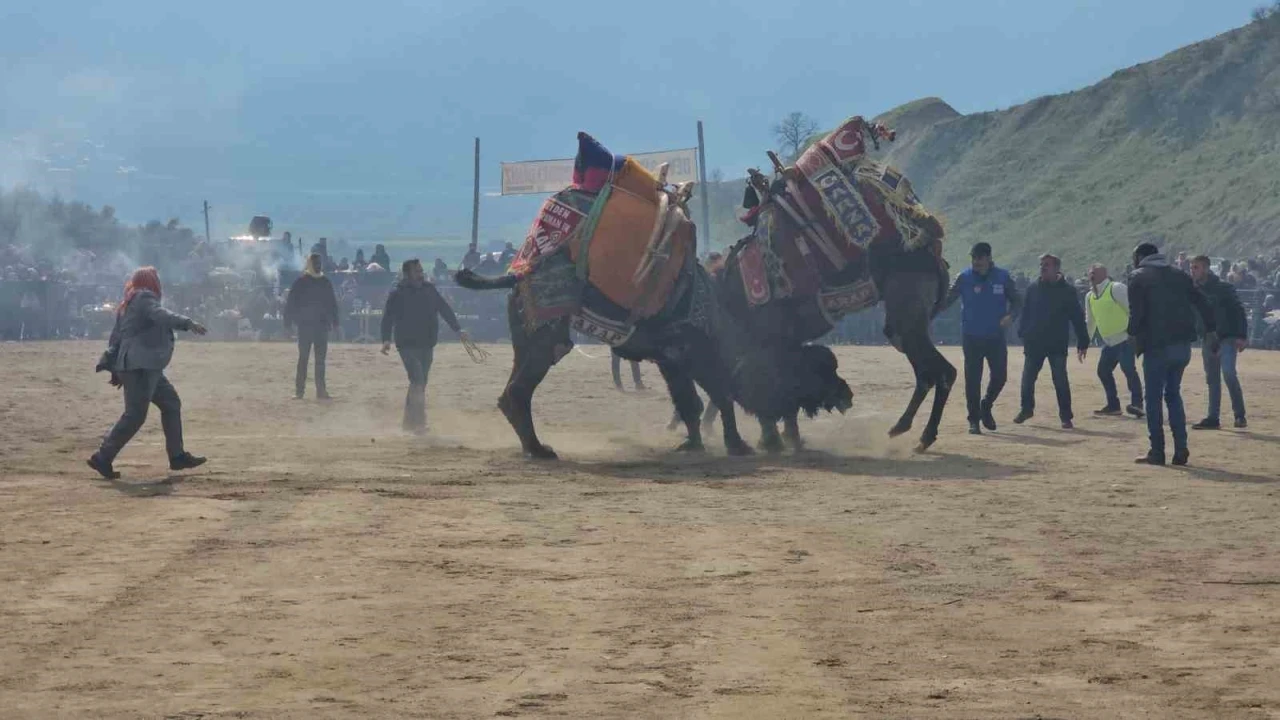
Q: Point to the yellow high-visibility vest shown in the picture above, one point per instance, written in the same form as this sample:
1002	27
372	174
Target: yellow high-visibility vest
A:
1109	316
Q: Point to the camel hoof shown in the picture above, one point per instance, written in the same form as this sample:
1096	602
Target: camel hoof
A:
541	452
797	444
772	445
740	449
899	429
691	446
925	444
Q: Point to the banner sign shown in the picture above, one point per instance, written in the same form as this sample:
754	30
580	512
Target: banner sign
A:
549	176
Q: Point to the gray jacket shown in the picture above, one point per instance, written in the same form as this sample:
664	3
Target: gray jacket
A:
143	336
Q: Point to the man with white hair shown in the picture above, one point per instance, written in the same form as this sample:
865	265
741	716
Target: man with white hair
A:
1106	314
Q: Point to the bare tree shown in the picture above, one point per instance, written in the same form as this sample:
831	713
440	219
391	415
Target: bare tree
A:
716	176
1266	12
793	132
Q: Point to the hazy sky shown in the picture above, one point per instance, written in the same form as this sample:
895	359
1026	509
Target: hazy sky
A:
358	118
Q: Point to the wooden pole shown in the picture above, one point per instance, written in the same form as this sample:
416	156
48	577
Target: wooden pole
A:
475	202
207	238
706	191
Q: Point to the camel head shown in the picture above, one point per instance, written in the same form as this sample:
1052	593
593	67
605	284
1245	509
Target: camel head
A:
820	385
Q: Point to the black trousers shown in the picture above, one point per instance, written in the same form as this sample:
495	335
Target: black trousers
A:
308	338
141	389
994	353
1061	385
417	364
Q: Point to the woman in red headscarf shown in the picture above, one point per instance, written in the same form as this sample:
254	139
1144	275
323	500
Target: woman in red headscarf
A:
140	348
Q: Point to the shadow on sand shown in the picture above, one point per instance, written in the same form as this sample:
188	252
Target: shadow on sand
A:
1215	475
1261	437
672	467
154	488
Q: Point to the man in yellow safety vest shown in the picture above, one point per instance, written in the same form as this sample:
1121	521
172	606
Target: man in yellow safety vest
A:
1106	314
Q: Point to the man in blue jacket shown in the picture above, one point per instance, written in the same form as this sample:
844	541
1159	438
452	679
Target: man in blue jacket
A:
989	301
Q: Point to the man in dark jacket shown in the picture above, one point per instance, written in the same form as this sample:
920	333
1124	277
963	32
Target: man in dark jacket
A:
411	317
1052	308
989	302
1163	303
381	257
1233	329
313	308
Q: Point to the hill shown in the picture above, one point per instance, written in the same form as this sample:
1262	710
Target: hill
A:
1182	151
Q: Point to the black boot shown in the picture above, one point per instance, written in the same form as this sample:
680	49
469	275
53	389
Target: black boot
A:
103	467
186	461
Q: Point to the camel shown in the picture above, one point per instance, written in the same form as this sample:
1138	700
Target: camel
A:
909	278
685	354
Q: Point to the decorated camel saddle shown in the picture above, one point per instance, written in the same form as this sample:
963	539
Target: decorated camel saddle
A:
816	223
613	249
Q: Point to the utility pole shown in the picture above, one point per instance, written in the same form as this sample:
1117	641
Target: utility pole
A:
475	203
207	237
702	180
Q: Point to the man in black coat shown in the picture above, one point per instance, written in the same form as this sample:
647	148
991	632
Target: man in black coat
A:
312	307
1233	330
410	316
1163	303
1050	309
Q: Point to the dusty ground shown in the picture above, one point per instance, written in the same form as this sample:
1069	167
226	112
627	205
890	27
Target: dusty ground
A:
324	566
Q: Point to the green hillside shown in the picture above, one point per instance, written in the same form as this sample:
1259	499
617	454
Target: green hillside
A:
1183	151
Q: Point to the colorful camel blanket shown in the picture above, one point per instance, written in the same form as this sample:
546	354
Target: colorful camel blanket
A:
829	208
607	221
765	279
812	233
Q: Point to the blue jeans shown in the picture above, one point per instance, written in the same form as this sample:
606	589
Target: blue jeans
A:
417	364
1121	355
1162	369
1216	369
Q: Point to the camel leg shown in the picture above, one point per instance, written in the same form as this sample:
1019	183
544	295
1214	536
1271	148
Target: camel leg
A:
791	431
944	378
710	376
688	405
917	397
909	304
770	440
535	354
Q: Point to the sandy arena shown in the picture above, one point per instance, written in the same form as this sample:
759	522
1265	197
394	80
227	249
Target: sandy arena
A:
322	565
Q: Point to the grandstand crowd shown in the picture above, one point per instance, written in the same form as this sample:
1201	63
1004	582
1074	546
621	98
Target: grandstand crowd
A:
41	299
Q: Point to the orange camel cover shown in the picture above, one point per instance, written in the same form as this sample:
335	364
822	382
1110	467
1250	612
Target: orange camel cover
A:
617	248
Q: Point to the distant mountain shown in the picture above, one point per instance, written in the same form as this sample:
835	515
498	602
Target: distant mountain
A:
1183	151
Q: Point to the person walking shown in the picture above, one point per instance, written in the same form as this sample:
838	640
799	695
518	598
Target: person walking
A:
989	302
139	350
410	316
1163	303
616	368
1051	309
1106	314
1233	330
312	307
